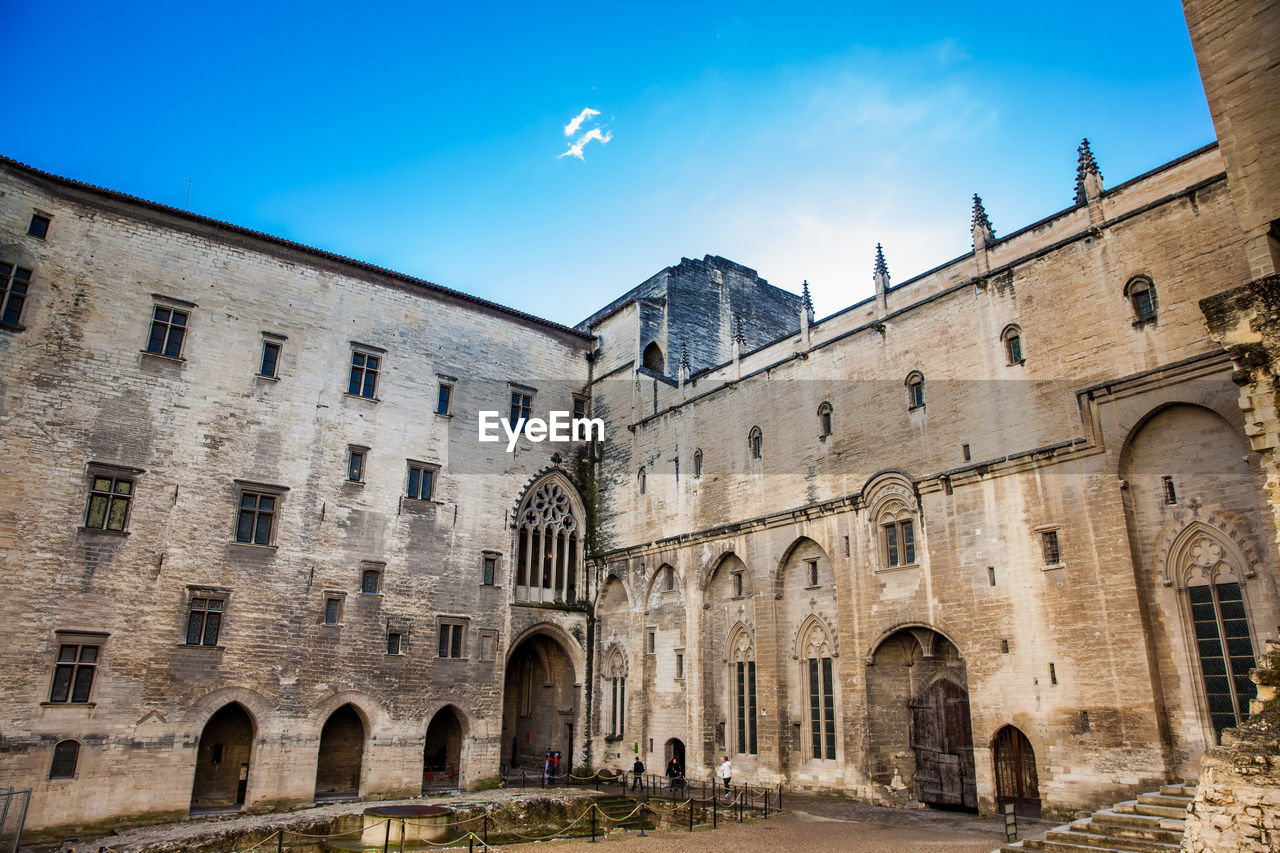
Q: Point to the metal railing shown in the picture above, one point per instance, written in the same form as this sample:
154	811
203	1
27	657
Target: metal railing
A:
13	816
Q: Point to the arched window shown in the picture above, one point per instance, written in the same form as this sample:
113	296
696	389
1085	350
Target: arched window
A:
641	480
1141	294
915	389
818	675
697	463
653	359
548	557
668	578
616	679
1011	337
742	688
897	534
824	420
755	443
65	756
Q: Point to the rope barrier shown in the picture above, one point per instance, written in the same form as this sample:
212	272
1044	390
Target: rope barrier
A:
559	831
260	843
340	834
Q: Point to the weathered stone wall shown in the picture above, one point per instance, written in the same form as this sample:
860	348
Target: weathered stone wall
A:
75	389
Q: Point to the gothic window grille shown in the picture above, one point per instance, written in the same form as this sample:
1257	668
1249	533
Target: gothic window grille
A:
1226	651
548	555
822	701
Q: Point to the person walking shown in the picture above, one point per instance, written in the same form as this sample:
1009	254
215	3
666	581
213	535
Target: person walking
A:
726	773
637	777
675	775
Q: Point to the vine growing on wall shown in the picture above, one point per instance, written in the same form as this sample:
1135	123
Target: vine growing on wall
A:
584	480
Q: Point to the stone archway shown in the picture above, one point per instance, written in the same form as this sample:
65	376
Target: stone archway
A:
539	704
442	751
341	755
223	758
1017	780
921	732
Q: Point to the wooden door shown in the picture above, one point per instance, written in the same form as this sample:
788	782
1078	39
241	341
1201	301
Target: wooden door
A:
943	742
1016	778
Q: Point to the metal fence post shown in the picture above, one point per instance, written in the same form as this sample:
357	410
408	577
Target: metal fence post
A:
280	842
594	809
386	841
597	780
715	820
486	828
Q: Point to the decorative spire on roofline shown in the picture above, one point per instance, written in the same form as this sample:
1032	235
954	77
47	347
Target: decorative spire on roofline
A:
684	357
1086	168
882	268
806	302
981	224
738	337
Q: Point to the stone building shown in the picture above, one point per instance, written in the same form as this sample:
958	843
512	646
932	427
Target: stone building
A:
999	533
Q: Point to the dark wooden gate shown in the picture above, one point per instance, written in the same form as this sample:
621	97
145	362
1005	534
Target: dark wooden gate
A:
1016	778
943	742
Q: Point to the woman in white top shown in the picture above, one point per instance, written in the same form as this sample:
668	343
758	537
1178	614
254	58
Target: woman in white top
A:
726	772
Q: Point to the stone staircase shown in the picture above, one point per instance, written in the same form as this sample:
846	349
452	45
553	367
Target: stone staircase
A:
1153	823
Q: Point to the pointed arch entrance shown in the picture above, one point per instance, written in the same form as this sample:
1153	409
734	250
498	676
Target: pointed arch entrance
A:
1016	779
442	751
922	733
223	758
539	703
341	755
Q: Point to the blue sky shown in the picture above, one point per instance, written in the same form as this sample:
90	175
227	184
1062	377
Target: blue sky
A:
426	137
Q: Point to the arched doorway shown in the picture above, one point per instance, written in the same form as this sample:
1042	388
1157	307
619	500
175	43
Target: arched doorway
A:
442	752
341	755
675	749
653	359
539	704
1016	779
921	732
222	759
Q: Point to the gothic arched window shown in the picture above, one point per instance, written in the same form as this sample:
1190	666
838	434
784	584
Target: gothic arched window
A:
549	547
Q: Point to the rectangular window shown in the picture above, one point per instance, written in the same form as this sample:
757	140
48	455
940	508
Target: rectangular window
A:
829	703
39	226
891	544
270	359
822	708
1170	493
393	643
364	374
451	639
812	565
652	641
371	578
168	326
679	664
1225	650
355	464
488	645
579	407
204	621
1052	553
421	482
444	398
742	707
333	610
257	518
13	292
73	673
521	405
109	499
489	570
737	584
908	542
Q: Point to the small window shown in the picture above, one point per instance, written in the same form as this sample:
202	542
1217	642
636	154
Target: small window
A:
444	398
897	535
73	673
915	389
270	364
422	480
333	610
824	420
451	639
653	359
579	407
1141	294
14	282
679	664
39	226
65	757
521	406
652	641
393	643
489	570
812	567
668	578
1012	338
1004	647
256	521
1053	674
697	464
965	452
642	480
371	581
1050	546
204	621
168	328
755	443
355	463
737	584
364	374
1170	493
488	644
109	503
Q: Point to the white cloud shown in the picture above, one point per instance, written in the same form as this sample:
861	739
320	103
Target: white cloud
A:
572	127
594	133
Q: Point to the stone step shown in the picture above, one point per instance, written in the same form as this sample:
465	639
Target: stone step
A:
1117	842
1153	832
1135	807
1164	800
1065	847
1111	816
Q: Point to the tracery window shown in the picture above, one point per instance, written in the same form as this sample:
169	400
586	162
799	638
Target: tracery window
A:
897	534
548	546
819	674
742	672
616	676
